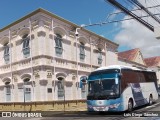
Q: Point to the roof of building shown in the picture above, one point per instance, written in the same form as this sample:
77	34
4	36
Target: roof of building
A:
129	55
152	61
55	16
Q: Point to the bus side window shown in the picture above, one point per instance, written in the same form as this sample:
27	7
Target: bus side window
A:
140	77
123	80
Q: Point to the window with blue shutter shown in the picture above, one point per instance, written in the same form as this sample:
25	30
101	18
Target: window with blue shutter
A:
26	48
99	56
8	91
58	47
82	52
60	86
6	54
27	90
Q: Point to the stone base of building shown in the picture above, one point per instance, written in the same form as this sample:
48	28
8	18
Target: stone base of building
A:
68	105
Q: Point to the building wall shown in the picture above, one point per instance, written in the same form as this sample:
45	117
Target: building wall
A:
139	59
42	67
124	62
111	57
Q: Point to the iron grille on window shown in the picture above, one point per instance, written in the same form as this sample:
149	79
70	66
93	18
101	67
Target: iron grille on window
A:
82	52
58	47
6	53
26	49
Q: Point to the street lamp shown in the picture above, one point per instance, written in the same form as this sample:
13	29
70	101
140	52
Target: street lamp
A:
64	94
76	34
24	93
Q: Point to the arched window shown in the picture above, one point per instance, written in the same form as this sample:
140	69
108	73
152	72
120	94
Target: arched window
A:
27	90
6	53
60	86
26	49
99	56
8	91
58	45
82	51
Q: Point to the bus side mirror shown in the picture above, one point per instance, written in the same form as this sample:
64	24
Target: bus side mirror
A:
116	80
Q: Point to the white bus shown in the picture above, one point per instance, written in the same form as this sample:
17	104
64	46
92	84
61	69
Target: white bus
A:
120	88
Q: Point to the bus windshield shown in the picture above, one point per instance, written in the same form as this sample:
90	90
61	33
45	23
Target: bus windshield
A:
103	85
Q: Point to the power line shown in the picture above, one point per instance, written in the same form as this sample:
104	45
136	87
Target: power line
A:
147	11
138	9
107	22
121	7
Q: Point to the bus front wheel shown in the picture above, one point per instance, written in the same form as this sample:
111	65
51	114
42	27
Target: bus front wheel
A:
130	105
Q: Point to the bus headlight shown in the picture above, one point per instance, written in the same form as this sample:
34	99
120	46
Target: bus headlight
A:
114	105
106	108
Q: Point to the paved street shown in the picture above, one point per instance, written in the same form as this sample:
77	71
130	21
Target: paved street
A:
94	116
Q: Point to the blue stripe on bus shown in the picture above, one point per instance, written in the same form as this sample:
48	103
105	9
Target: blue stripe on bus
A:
137	94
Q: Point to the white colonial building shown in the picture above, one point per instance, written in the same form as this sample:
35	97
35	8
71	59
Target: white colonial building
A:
133	58
41	59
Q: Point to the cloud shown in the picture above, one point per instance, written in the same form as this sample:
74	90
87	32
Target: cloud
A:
135	35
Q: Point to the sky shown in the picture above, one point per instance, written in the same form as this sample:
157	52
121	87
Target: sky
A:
128	34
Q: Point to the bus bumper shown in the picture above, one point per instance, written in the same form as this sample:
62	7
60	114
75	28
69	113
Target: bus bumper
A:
105	105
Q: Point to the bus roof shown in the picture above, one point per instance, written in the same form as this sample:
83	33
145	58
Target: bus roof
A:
122	67
117	67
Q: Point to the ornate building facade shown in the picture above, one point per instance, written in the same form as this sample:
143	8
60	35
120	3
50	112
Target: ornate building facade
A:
42	59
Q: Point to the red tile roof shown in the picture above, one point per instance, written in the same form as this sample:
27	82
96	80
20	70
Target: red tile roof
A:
153	61
129	55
